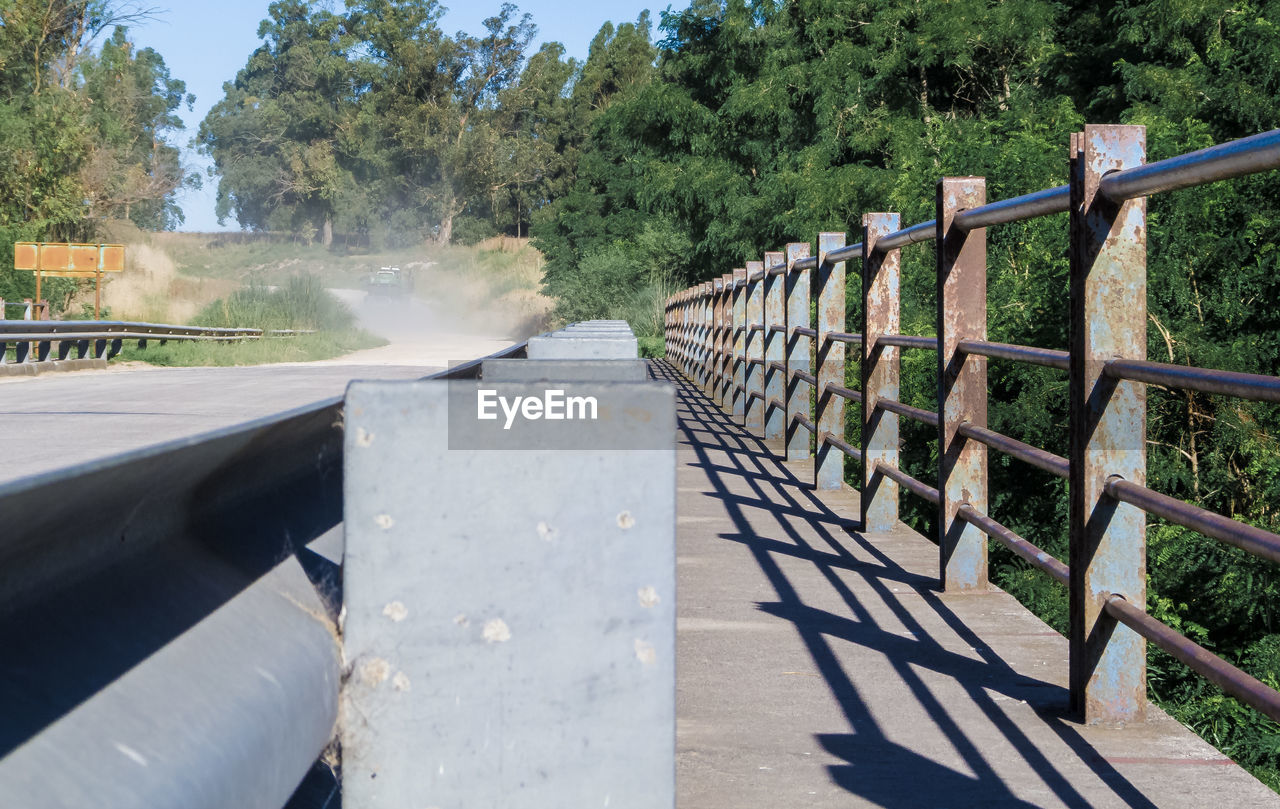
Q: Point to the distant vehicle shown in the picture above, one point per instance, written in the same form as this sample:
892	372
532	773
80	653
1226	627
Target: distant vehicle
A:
389	282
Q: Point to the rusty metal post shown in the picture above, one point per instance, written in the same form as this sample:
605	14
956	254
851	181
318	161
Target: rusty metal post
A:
738	385
880	291
1108	427
828	463
687	350
704	334
962	384
715	380
708	337
775	384
755	348
725	394
797	347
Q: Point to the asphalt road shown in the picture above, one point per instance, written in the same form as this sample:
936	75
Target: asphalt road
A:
58	420
54	421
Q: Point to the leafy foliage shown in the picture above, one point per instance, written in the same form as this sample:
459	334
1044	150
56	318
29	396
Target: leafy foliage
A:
86	135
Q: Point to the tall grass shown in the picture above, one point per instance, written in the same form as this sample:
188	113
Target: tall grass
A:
301	302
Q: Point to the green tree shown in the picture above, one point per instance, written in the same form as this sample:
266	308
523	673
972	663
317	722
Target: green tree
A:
278	138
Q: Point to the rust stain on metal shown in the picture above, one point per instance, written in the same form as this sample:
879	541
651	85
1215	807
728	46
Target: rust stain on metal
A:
962	380
880	378
1108	427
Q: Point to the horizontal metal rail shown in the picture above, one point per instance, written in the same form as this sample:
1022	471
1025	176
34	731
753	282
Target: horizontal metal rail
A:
777	366
804	331
776	269
845	253
804	376
914	413
852	452
1230	679
908	341
803	421
1027	206
1230	383
806	263
1049	357
923	232
843	392
844	337
1246	537
1034	555
777	328
1043	459
105	329
921	490
1224	161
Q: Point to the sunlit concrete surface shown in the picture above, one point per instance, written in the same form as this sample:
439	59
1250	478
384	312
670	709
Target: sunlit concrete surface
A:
818	666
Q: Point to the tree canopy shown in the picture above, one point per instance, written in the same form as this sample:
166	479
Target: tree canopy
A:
88	135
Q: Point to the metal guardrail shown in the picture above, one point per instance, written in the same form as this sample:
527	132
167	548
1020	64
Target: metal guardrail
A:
1106	470
169	617
35	340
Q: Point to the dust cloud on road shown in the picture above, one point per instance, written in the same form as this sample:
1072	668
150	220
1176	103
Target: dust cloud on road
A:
419	332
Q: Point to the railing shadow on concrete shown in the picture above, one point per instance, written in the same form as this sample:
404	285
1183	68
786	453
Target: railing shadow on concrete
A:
706	428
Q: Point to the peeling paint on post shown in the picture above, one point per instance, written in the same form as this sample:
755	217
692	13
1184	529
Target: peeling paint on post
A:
724	393
755	348
828	466
962	385
880	288
1108	427
704	336
715	378
775	385
797	348
739	336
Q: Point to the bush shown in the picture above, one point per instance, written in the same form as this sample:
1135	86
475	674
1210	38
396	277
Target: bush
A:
301	303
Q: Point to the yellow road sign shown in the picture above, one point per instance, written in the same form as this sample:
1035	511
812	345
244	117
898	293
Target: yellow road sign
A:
66	260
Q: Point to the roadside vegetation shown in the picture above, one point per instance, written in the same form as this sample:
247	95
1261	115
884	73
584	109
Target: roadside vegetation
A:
301	304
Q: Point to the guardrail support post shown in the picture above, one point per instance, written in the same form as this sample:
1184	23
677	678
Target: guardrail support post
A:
738	370
962	384
828	464
880	291
775	385
755	349
1108	427
797	347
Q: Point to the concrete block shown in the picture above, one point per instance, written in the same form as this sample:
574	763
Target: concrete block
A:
547	347
577	370
510	620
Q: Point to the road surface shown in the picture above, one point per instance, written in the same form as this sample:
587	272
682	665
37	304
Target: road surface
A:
57	420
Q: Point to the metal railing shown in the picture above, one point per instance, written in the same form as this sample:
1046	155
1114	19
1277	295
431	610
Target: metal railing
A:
38	340
766	307
170	618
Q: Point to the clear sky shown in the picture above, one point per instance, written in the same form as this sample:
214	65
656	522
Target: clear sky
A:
204	43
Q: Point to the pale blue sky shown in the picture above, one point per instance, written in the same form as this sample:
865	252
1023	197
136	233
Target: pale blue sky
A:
205	43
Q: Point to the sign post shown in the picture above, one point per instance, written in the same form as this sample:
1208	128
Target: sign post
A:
67	260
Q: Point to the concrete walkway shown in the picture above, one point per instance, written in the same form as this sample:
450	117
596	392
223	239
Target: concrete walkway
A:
821	667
